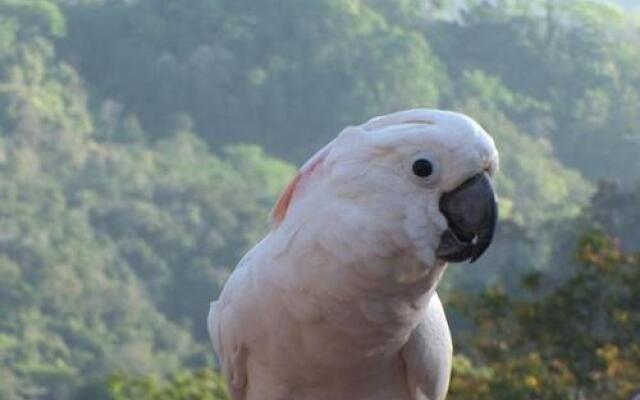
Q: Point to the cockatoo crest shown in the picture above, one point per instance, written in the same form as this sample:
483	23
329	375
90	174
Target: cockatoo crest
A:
286	197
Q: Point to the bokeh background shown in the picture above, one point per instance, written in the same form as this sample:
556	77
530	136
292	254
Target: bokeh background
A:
142	143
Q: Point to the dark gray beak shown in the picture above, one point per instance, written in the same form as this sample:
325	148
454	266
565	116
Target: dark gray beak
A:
472	213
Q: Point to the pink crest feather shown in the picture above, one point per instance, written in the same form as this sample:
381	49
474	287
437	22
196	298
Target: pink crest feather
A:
279	211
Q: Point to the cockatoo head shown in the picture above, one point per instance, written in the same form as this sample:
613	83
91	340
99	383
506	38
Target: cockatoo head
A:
417	180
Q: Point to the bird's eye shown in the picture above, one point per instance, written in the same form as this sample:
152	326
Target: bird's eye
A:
422	168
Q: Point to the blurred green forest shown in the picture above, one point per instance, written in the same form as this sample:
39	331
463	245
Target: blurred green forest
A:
142	143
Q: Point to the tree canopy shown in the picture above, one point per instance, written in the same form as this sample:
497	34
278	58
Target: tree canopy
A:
142	143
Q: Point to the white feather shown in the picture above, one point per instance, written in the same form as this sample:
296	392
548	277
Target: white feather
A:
338	300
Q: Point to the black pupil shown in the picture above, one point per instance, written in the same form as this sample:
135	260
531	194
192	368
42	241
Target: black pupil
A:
422	168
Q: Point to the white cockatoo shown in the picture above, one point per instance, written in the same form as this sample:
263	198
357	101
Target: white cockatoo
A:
338	301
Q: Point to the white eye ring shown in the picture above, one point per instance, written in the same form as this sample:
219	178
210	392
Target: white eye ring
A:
424	168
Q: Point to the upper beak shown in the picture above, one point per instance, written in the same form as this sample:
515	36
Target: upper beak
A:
471	211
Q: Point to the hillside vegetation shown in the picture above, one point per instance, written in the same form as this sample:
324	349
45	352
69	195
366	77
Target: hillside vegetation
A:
142	143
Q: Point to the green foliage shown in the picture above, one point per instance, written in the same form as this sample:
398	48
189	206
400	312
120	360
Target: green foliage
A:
616	211
307	69
203	385
174	211
574	58
105	267
578	339
102	235
132	177
551	190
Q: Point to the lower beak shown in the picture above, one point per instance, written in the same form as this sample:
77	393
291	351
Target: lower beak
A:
471	211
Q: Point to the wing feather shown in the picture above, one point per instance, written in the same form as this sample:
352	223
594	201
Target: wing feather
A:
428	353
